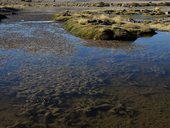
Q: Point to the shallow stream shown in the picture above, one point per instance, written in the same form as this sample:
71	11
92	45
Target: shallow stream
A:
49	78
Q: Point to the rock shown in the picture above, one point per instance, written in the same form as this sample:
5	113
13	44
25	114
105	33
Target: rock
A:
92	111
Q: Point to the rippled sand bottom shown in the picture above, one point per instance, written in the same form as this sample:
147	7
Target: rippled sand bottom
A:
116	107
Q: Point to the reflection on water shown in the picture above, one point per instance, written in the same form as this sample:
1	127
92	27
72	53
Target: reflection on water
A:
50	78
126	46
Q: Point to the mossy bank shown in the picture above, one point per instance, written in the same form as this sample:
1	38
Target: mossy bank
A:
91	25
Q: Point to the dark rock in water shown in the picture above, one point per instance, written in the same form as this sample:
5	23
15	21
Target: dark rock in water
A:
92	111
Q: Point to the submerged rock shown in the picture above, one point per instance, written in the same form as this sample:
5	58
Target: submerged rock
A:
92	111
122	110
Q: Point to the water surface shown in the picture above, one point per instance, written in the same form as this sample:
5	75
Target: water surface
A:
44	68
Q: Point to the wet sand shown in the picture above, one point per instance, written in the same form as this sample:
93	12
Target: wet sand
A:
51	79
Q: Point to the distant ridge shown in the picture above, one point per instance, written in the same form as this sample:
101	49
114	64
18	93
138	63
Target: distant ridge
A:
118	1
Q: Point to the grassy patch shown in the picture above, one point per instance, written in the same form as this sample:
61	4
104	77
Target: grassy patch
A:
84	31
161	27
100	26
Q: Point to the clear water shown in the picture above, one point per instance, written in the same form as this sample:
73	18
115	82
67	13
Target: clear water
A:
40	61
46	45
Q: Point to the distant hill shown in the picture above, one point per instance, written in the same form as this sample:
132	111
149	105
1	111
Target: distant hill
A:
87	0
